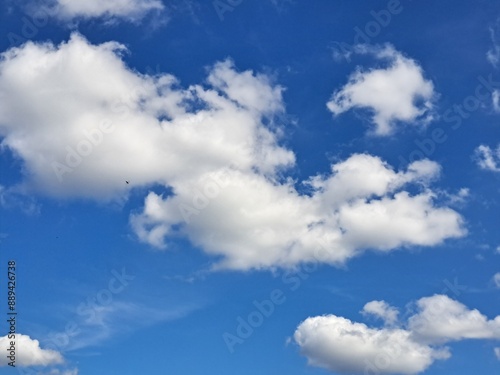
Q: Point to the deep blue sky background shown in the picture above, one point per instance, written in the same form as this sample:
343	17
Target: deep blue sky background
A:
67	251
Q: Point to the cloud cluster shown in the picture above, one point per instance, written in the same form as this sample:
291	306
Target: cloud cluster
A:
488	158
347	347
131	10
83	123
396	93
28	352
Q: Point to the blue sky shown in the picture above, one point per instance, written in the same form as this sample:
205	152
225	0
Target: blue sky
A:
245	187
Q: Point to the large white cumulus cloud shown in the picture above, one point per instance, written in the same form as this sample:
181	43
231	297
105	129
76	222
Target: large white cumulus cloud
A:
82	123
254	222
55	100
343	346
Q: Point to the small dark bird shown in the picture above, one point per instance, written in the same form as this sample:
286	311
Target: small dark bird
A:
127	182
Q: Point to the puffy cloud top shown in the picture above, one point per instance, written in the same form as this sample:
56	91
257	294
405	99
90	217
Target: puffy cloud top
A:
28	352
396	93
347	347
83	123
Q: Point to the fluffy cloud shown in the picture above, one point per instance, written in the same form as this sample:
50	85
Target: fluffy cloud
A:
488	158
132	10
396	93
346	347
382	310
441	319
83	123
28	352
359	206
497	353
343	346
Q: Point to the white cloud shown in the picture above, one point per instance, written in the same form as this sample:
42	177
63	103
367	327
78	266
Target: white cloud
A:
359	206
496	279
397	93
80	104
83	123
441	319
488	158
28	352
382	310
131	10
347	347
497	353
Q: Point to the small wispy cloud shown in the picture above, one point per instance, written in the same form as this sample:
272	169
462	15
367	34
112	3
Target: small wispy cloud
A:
488	158
493	54
496	279
108	322
13	198
495	97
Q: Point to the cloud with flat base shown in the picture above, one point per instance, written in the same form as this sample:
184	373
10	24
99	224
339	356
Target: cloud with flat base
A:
346	347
